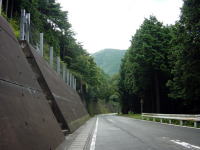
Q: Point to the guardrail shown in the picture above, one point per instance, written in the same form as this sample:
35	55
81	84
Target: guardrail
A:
170	117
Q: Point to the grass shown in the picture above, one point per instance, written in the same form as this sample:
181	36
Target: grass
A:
131	115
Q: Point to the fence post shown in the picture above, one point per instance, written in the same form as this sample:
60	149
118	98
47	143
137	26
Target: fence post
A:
22	27
41	43
70	79
67	72
28	22
63	67
58	65
75	84
0	6
51	57
72	82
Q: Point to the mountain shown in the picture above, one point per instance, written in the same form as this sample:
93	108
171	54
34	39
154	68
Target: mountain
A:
109	60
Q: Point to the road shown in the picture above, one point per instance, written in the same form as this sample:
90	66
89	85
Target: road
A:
121	133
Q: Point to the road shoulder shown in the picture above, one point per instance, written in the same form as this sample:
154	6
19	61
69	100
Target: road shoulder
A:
81	138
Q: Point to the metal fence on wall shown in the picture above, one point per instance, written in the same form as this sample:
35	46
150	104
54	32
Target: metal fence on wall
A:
29	33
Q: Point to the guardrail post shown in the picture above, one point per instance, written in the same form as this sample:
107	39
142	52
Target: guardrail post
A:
161	120
154	119
181	122
28	22
170	121
22	24
41	43
63	70
58	65
51	57
195	124
0	6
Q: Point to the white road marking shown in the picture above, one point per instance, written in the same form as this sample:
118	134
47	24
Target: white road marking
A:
94	137
186	145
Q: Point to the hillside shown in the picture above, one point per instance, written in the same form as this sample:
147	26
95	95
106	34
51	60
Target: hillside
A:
109	60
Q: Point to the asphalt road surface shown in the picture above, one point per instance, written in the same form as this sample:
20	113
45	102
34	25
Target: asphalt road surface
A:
121	133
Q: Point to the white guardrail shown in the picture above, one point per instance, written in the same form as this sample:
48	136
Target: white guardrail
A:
170	117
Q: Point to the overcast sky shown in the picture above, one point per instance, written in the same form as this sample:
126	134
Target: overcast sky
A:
101	24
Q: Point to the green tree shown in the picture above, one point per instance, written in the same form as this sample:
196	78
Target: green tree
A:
144	71
185	84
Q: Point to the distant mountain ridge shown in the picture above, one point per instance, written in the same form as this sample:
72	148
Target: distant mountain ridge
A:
109	60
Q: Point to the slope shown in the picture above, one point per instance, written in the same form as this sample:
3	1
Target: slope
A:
109	60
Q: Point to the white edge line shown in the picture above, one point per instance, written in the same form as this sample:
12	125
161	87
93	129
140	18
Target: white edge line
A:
92	146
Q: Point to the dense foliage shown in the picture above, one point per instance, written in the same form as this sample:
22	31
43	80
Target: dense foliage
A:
47	17
160	71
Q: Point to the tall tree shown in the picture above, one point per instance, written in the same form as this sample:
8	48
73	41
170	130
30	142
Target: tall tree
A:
185	84
145	68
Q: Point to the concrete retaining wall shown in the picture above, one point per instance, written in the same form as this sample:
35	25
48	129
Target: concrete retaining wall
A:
67	99
26	119
28	86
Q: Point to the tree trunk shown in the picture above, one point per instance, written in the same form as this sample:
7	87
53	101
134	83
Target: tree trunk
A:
157	92
11	10
7	7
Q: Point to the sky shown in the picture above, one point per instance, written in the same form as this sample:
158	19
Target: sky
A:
101	24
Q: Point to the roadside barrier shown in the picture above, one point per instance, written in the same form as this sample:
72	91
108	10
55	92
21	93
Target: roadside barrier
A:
170	117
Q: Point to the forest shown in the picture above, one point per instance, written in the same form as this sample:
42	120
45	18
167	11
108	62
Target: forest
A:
160	72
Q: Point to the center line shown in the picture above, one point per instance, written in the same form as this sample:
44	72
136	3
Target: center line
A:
92	146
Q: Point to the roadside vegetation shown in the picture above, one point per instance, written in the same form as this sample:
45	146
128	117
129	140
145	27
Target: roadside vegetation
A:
160	71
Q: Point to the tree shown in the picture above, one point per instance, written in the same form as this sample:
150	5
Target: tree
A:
185	83
144	70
